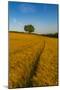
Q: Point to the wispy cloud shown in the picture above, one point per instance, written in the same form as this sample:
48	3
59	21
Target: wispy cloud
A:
27	8
15	24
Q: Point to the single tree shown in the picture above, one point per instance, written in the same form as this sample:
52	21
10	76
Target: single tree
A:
29	28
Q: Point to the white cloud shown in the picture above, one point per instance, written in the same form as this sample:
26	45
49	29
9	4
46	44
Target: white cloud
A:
14	20
25	8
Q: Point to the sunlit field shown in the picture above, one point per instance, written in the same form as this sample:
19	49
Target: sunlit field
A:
33	60
47	69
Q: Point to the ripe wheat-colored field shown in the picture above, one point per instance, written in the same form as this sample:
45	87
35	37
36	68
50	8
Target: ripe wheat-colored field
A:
33	60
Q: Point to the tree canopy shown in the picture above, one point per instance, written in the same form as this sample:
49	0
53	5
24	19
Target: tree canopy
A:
29	28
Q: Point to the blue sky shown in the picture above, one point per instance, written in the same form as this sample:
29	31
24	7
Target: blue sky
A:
42	16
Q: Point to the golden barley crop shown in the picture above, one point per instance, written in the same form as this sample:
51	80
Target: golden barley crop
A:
47	69
32	60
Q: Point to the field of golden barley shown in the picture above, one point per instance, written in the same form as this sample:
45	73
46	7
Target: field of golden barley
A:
33	60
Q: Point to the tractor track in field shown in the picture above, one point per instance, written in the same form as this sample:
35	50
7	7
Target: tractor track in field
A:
33	71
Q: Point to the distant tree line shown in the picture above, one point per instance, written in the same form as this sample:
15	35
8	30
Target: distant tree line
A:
55	35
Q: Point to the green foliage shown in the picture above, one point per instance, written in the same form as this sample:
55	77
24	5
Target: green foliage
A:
29	28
